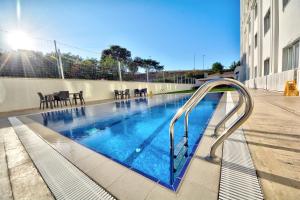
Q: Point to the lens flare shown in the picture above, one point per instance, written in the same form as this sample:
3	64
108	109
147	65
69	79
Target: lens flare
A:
19	40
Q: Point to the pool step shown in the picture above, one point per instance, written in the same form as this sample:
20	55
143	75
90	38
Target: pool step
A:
180	152
64	180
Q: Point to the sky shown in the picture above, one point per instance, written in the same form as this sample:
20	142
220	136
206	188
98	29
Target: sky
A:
172	32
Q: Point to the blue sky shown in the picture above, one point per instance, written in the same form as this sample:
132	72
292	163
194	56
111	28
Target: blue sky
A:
170	31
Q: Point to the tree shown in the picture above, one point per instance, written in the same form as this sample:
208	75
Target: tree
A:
133	66
108	67
159	67
148	65
118	53
234	65
89	68
217	67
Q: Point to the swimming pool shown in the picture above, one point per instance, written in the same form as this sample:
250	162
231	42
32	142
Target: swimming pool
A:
135	132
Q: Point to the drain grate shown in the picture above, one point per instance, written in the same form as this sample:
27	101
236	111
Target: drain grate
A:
238	175
63	178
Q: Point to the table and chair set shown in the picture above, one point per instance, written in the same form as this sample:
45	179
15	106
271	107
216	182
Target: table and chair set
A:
62	97
125	94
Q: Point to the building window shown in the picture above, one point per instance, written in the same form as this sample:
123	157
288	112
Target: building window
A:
249	26
284	3
255	10
255	40
267	22
267	67
297	55
290	57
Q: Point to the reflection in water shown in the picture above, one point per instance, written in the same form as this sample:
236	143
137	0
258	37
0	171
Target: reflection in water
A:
142	100
63	115
127	103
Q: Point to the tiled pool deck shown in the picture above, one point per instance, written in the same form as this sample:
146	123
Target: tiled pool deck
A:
272	141
273	137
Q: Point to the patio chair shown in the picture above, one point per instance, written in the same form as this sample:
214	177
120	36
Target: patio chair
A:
143	92
136	92
63	96
118	94
42	100
78	96
127	93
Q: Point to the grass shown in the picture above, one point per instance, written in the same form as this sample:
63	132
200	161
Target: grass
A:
221	89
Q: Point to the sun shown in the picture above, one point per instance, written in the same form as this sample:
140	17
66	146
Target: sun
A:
19	40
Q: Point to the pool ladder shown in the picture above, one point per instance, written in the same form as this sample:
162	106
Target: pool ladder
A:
176	153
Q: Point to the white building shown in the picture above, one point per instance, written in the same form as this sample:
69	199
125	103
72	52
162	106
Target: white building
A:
270	34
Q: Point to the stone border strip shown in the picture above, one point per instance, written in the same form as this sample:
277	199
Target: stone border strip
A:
63	178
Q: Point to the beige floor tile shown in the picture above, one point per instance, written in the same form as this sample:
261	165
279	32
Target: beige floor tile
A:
27	184
16	157
192	191
94	160
159	192
107	173
131	186
204	173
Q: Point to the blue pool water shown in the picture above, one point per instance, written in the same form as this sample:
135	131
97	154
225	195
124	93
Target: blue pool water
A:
135	132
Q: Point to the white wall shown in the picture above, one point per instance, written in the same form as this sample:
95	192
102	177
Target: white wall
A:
21	93
289	26
284	31
273	82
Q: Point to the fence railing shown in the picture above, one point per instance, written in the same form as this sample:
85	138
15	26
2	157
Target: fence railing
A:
53	59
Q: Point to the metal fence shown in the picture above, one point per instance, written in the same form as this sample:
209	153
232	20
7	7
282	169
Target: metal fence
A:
52	59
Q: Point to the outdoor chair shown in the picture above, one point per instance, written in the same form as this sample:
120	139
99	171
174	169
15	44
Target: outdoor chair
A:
78	96
127	93
42	100
143	92
63	96
136	92
118	94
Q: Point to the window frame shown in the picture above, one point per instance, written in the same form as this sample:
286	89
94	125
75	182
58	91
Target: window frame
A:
267	18
290	56
255	40
267	72
255	10
285	3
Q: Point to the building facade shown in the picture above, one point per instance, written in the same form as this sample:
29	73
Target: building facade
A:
270	35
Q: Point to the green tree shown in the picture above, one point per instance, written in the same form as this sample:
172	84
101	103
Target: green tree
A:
234	65
133	66
108	67
89	68
159	67
217	67
119	54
